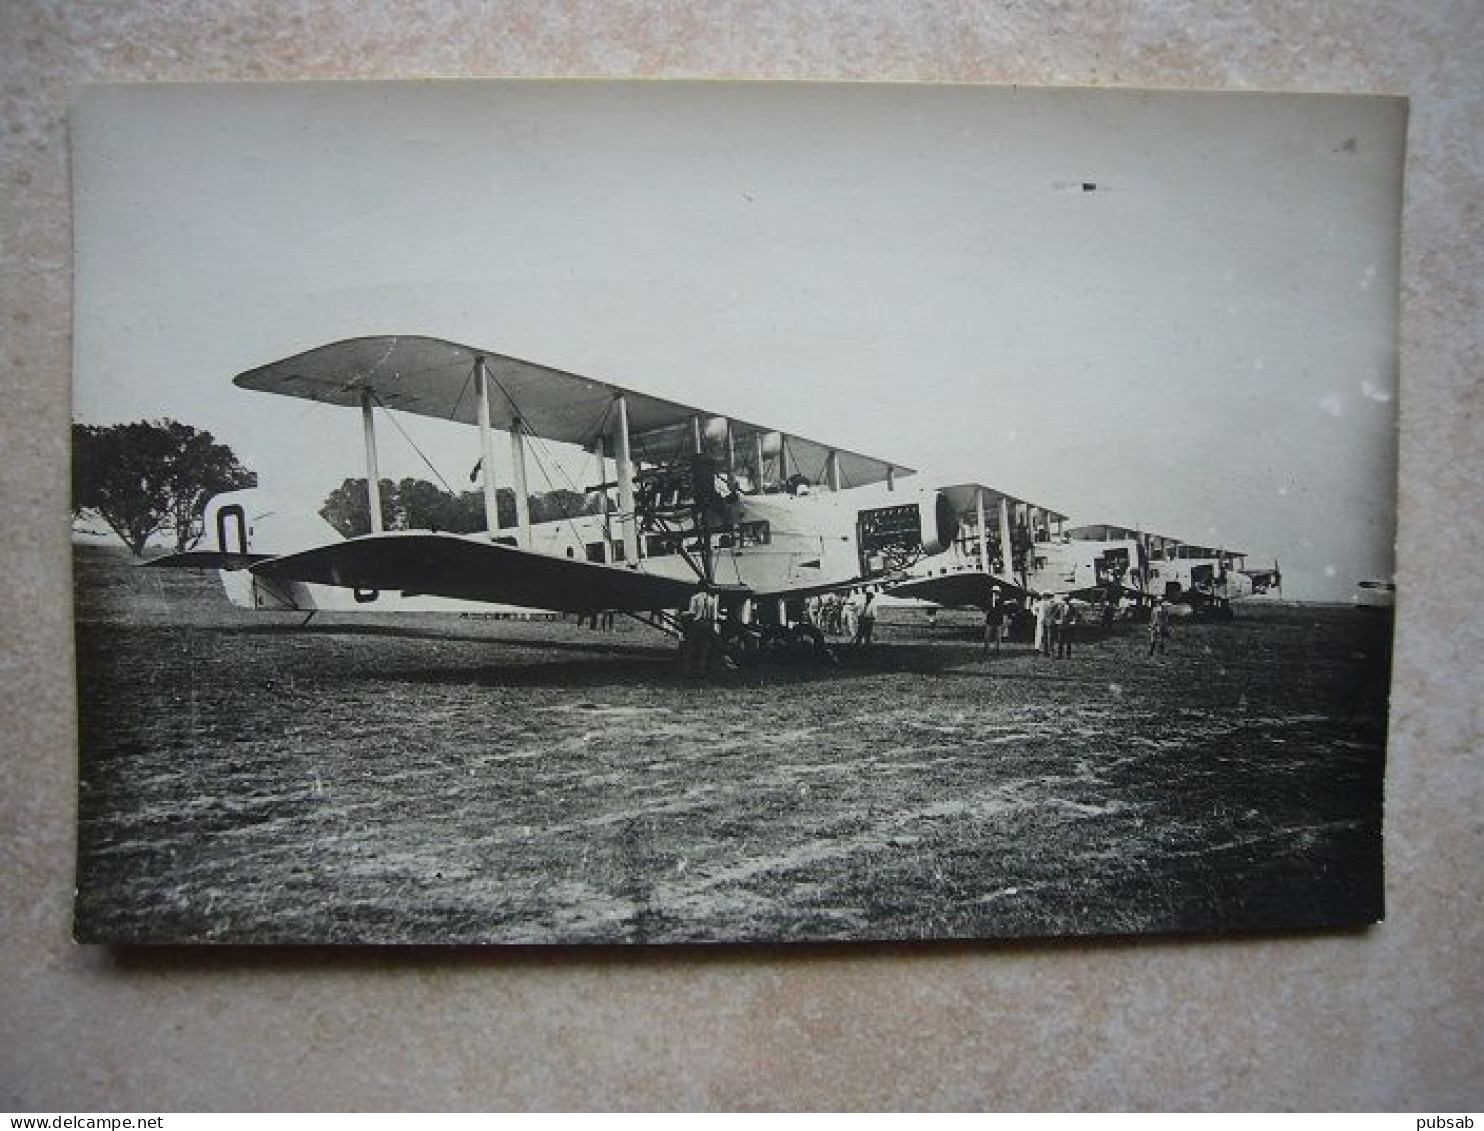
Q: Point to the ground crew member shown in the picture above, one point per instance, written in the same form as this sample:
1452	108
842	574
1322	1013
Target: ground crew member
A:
1159	626
814	611
698	634
1068	627
1055	620
865	620
832	614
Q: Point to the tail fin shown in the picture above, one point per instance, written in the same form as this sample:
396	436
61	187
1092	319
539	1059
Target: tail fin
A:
243	527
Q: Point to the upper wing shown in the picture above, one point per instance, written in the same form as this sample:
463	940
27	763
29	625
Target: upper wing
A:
1163	544
435	378
446	565
964	498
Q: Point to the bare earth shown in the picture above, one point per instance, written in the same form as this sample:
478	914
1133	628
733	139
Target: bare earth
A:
446	779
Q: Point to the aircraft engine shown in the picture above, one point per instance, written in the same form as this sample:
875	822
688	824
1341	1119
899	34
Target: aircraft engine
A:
893	537
939	523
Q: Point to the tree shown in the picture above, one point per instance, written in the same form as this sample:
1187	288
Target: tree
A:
466	511
150	476
561	503
348	509
426	506
416	504
423	505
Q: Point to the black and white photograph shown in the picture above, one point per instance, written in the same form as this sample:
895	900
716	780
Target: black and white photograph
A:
708	512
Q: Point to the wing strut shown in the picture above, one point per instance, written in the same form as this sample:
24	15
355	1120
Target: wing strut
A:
1007	544
486	449
373	475
983	532
628	518
600	449
522	500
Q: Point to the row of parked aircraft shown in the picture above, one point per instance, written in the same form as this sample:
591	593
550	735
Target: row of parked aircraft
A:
691	502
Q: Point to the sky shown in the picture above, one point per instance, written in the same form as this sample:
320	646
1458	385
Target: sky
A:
1203	345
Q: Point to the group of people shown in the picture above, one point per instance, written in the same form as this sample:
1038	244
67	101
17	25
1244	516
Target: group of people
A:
1057	621
815	618
831	614
836	615
1056	625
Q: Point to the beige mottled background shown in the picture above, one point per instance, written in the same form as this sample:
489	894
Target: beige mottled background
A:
1387	1018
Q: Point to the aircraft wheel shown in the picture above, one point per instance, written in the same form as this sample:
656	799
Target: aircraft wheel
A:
774	643
810	643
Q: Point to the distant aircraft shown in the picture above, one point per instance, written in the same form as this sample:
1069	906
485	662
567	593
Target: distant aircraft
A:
760	517
1102	564
1204	579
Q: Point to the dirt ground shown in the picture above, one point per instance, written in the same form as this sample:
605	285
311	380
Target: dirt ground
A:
447	779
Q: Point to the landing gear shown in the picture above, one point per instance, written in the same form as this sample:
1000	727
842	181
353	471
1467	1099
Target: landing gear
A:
776	644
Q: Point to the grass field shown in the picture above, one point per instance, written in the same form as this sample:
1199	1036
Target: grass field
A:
446	779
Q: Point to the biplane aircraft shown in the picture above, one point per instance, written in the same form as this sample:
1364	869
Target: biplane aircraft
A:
1204	579
690	501
998	557
1115	567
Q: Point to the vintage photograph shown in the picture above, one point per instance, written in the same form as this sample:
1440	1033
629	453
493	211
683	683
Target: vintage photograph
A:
667	512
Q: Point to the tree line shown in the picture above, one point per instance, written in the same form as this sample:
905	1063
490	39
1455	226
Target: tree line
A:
151	477
154	477
416	504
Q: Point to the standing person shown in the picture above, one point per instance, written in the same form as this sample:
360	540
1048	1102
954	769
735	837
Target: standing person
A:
1159	626
849	615
1054	615
814	611
1041	626
865	621
1051	619
698	633
1069	618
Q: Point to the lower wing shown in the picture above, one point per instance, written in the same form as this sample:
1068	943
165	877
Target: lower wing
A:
446	565
958	590
207	559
